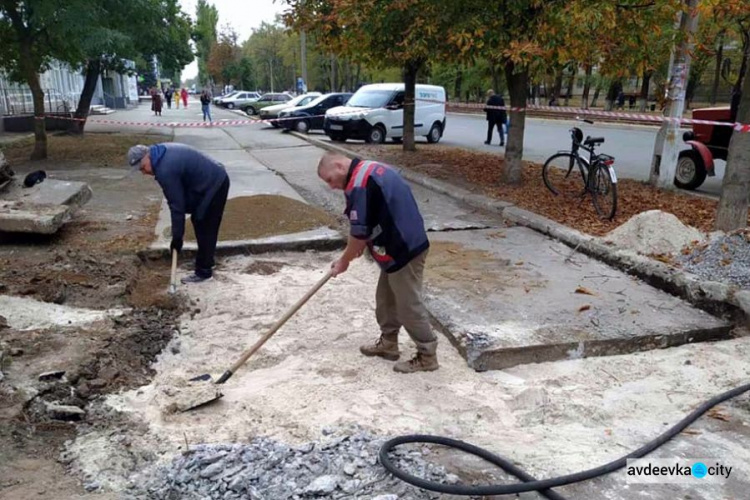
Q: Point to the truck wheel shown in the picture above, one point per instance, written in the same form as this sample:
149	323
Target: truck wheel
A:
435	133
376	135
691	172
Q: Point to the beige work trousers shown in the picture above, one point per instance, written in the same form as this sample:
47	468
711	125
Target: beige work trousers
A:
399	302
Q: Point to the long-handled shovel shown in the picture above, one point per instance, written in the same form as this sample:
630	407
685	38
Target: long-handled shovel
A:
249	352
173	278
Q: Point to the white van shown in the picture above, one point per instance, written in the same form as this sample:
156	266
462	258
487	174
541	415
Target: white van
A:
376	112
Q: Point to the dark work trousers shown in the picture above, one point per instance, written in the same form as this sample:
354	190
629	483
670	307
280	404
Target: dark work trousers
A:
490	126
207	232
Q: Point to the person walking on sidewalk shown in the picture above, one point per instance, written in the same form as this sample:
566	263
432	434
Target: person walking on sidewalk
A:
206	105
177	98
385	219
168	97
495	117
184	94
193	183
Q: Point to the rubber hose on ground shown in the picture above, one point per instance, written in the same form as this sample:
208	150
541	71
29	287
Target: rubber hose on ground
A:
529	483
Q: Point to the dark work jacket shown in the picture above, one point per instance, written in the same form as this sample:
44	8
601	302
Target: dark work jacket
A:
496	115
382	210
189	180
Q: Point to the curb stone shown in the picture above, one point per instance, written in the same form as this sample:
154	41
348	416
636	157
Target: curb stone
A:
712	296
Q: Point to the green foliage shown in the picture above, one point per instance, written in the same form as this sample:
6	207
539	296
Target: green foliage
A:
205	36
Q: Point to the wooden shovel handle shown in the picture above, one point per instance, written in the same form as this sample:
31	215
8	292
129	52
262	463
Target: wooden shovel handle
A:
246	355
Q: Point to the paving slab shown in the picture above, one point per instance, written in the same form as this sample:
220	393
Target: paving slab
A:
512	296
43	208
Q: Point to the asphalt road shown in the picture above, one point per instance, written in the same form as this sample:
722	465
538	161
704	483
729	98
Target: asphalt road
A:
631	145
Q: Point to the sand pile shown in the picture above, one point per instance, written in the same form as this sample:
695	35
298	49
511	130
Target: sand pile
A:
654	232
261	216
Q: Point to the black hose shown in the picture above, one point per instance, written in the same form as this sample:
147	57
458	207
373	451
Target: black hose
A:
530	484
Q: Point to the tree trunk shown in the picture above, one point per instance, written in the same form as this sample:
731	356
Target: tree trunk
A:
717	69
410	82
32	79
495	71
571	82
93	69
596	95
556	87
333	73
743	66
644	90
518	88
732	211
588	68
614	88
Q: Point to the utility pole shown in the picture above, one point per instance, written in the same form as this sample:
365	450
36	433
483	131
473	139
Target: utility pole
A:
270	68
667	147
303	62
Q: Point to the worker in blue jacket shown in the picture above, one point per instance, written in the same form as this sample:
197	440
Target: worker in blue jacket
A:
384	218
194	184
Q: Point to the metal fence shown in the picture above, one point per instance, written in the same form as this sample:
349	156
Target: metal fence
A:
17	100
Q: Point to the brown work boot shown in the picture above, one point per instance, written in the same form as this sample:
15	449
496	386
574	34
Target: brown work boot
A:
425	360
419	363
384	348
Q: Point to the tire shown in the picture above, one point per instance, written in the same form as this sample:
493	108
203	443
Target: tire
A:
604	193
250	110
691	171
275	125
338	137
376	135
562	174
302	126
230	106
436	132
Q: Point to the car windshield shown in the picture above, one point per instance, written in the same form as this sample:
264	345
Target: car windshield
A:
317	100
300	100
370	99
231	94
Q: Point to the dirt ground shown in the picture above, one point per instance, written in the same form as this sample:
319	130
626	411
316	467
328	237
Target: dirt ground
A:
91	263
480	172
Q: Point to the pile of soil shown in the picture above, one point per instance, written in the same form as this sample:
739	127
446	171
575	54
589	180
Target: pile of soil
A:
482	173
261	216
654	232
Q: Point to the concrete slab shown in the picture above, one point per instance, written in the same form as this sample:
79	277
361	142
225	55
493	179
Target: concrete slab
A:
513	296
51	192
18	217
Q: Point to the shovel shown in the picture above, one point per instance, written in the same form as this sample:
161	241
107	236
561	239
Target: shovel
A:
249	352
173	279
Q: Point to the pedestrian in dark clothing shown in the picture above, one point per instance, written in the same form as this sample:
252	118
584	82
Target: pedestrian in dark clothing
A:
206	105
384	218
621	100
495	117
168	97
193	184
156	101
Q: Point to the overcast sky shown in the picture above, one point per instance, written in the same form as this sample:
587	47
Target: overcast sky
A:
243	15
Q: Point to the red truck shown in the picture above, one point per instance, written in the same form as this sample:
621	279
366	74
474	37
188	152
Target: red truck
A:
707	143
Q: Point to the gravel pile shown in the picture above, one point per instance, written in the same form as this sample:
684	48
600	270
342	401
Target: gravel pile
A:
342	467
725	258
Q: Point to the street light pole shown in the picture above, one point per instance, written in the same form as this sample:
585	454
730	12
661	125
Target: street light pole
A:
667	148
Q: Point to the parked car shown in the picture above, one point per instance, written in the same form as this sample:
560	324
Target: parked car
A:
264	101
707	143
309	117
376	112
217	100
240	99
271	112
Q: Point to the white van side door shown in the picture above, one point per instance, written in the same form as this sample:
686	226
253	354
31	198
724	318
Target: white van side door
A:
395	113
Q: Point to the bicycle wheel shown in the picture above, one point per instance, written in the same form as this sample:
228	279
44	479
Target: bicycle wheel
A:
603	192
564	175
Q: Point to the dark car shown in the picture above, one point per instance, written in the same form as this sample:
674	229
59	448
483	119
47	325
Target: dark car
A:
311	116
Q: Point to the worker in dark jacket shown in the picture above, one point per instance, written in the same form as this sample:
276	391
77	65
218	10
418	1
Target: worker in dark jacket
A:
495	117
193	184
384	218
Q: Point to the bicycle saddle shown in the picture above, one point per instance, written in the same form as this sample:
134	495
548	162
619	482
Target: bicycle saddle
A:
593	141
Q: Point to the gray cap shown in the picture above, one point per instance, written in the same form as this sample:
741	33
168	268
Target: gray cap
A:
136	154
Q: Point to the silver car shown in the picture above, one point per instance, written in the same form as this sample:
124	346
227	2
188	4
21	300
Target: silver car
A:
239	100
271	112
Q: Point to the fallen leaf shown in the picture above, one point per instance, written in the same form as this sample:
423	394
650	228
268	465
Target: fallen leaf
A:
718	415
584	308
691	432
584	291
519	263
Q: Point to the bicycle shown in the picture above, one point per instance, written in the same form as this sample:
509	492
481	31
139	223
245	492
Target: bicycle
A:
596	173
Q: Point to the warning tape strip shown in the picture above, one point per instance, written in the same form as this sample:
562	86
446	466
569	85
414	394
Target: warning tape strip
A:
738	127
